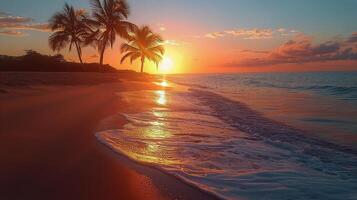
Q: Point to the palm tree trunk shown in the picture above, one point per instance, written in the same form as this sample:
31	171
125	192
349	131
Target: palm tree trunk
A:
102	50
102	56
142	64
79	52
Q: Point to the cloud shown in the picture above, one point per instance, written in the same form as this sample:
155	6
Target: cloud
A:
215	35
353	38
171	42
252	34
11	33
174	43
245	33
2	13
301	50
281	30
9	23
14	19
253	51
35	27
161	26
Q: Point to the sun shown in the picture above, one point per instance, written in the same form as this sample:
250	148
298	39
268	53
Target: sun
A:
166	65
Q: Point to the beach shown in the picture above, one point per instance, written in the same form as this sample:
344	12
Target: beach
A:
178	100
48	148
138	136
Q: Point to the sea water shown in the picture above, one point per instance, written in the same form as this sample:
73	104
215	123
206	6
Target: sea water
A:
249	136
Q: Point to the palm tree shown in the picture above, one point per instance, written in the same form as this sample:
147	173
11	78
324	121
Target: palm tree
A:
68	27
144	44
109	20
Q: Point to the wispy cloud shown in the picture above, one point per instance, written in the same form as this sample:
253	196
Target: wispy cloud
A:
254	34
252	51
2	13
35	27
14	20
171	42
161	26
174	43
301	50
215	35
353	38
11	33
9	23
281	30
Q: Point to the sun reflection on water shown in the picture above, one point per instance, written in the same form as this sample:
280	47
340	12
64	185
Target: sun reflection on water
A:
163	83
156	123
161	97
152	148
159	114
156	131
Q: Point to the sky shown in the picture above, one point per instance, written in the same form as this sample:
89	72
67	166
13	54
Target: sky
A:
211	36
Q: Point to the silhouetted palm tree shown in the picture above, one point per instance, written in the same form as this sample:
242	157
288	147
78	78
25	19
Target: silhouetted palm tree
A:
144	44
68	28
109	19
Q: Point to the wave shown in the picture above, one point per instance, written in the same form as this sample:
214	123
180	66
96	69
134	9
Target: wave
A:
348	92
248	120
194	85
342	92
225	147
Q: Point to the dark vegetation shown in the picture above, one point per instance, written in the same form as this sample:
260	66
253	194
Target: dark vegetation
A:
33	61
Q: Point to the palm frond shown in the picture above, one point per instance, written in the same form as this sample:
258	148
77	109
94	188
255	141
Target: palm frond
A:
97	8
126	56
124	28
160	49
134	56
128	48
58	40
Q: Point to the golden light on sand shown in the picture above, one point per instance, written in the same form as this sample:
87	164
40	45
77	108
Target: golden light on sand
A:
166	65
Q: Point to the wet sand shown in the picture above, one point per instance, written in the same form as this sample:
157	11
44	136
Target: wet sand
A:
48	149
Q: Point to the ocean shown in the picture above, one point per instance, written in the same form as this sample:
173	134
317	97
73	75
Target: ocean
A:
249	136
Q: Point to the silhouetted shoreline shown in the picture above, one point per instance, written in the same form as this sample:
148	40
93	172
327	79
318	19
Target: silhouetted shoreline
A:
33	61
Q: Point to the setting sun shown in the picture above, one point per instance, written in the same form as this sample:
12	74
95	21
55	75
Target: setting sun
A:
166	65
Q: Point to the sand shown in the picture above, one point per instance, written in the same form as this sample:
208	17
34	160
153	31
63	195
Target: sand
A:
48	149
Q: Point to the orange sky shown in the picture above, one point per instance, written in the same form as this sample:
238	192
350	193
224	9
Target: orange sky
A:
211	36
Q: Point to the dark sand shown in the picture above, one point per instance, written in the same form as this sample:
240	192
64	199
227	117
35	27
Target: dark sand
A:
48	149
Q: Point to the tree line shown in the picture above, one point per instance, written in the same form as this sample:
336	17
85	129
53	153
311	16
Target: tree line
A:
33	61
75	28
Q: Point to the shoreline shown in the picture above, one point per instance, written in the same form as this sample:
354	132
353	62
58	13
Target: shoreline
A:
142	167
48	149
